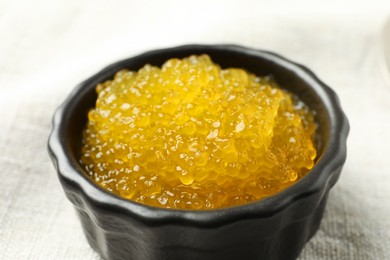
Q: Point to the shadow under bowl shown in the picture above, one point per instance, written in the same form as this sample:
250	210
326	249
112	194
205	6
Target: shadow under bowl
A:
273	228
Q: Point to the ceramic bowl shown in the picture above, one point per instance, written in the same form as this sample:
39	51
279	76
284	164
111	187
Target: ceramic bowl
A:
273	228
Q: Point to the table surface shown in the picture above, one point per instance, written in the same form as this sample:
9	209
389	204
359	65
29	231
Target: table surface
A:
47	47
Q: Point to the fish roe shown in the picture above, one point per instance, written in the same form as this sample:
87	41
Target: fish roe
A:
191	135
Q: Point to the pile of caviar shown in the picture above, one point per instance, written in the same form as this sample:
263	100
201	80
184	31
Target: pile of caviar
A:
190	135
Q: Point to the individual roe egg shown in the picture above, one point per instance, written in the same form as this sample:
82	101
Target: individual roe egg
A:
190	135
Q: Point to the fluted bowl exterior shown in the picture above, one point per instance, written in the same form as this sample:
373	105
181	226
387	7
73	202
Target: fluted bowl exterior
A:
273	228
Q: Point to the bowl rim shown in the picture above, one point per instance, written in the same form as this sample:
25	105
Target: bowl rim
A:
333	157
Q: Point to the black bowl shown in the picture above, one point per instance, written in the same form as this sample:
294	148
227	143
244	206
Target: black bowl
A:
273	228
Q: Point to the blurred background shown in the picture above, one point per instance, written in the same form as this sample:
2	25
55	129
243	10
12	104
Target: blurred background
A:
48	47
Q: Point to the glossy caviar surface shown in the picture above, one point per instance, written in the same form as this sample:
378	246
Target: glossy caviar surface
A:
190	135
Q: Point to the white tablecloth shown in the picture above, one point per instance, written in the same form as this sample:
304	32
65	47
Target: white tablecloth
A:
47	47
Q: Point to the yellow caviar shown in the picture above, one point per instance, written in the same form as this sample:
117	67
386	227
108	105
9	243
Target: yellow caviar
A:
191	135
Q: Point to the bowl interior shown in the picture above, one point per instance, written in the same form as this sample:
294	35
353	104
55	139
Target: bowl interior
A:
288	75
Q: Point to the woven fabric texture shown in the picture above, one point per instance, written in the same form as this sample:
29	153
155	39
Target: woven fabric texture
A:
47	47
